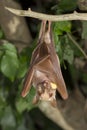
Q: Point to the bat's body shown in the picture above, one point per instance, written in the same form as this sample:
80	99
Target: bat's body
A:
45	72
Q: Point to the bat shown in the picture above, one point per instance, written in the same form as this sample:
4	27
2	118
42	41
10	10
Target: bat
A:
44	72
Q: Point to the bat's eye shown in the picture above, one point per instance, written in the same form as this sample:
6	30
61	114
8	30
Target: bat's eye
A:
46	84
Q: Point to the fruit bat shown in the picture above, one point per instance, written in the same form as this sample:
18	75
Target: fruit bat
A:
44	72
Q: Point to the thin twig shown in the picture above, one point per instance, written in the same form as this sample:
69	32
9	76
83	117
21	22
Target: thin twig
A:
41	16
77	45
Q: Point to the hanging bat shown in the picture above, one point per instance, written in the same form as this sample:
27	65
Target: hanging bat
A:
45	72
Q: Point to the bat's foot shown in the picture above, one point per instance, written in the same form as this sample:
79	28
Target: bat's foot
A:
45	31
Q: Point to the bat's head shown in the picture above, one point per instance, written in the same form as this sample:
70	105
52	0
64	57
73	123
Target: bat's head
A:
46	91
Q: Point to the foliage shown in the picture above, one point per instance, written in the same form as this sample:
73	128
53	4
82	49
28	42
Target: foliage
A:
63	47
1	33
84	31
65	6
13	67
9	61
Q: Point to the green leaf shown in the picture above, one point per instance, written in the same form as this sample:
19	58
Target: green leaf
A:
84	77
8	47
21	104
8	118
65	50
68	54
1	33
63	26
22	127
58	47
84	30
3	103
9	64
9	60
24	60
30	125
25	103
22	67
56	38
1	54
67	5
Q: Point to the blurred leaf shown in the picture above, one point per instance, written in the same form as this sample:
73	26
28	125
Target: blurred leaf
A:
22	127
68	54
76	50
58	47
1	54
25	103
63	26
22	67
3	104
21	104
59	29
8	47
84	77
30	125
9	61
84	29
56	38
8	119
65	50
24	61
9	65
30	97
1	33
67	5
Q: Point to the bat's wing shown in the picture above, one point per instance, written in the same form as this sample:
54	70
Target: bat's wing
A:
44	58
47	67
61	87
30	75
27	83
54	62
39	55
41	49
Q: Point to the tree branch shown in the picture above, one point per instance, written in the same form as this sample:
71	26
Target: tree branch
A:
77	45
41	16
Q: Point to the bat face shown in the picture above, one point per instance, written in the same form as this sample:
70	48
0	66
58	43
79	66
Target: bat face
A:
45	72
45	89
